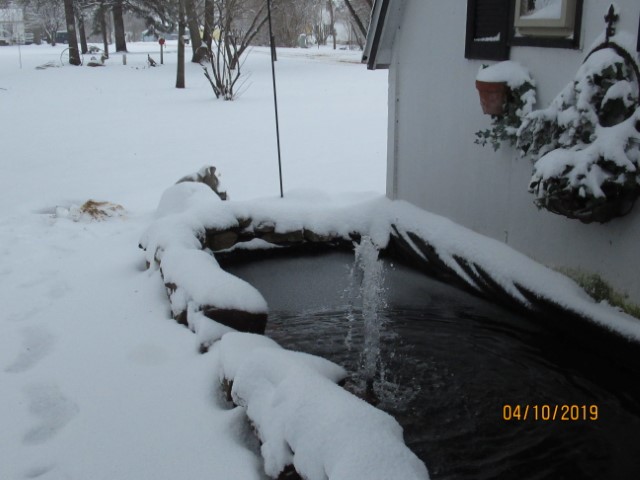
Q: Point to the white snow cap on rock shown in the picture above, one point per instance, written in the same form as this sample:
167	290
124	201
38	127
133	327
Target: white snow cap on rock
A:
202	282
376	217
304	419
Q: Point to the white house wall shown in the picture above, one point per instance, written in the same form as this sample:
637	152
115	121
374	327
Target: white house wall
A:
434	163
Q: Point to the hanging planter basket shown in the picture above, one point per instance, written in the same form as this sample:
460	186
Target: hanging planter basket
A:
586	166
493	96
559	198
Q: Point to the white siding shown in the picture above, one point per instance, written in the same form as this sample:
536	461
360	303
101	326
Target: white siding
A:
434	112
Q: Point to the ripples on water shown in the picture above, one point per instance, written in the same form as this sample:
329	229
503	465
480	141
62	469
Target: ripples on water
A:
451	361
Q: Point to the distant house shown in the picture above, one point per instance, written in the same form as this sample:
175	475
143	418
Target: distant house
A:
434	50
11	26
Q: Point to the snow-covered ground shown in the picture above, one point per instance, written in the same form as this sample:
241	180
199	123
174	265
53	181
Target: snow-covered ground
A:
96	380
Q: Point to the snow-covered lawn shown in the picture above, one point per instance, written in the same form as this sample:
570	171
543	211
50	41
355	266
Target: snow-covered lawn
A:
96	380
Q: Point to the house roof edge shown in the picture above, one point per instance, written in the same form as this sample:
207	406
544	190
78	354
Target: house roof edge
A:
376	34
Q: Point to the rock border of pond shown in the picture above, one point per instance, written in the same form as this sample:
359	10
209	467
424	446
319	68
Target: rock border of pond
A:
192	217
194	228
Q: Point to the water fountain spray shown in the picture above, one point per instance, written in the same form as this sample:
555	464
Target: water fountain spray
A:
371	290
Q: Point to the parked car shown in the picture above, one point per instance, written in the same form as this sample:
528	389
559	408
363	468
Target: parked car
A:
62	37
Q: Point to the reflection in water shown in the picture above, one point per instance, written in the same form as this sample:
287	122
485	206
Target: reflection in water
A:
452	361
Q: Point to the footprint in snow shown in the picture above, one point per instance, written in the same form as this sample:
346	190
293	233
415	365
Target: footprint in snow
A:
37	343
25	315
58	290
52	410
39	472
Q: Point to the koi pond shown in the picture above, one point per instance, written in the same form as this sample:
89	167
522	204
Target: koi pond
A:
481	392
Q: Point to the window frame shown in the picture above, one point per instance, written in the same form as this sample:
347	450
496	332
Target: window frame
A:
548	33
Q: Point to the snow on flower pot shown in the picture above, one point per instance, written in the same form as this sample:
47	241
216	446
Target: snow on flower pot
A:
507	93
493	96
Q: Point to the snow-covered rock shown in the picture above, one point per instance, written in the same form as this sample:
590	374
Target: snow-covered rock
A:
484	265
196	282
304	419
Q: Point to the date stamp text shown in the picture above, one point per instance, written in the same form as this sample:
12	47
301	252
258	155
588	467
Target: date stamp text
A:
549	413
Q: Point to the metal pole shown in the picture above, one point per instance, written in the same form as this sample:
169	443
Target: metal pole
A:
275	96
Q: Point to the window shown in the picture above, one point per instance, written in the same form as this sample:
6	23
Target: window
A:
547	23
495	25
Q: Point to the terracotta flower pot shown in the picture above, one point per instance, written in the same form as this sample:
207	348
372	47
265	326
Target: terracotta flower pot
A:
493	96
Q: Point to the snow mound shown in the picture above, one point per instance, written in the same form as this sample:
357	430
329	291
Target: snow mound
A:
185	196
486	265
194	280
200	282
304	419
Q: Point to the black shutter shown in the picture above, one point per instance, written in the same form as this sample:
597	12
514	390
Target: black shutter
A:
638	46
487	19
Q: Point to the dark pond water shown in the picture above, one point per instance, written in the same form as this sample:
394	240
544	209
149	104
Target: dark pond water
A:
449	362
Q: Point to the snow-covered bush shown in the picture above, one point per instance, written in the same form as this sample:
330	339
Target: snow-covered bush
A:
521	96
586	144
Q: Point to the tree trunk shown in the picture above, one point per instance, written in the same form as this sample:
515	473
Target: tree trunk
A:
359	38
103	27
194	31
247	40
74	52
84	48
333	22
356	18
181	29
118	26
207	34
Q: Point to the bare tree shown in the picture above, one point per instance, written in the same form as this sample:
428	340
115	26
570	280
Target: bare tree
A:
332	22
238	24
82	31
84	10
47	15
163	9
180	83
223	77
208	24
194	31
74	52
290	18
360	11
101	16
117	10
